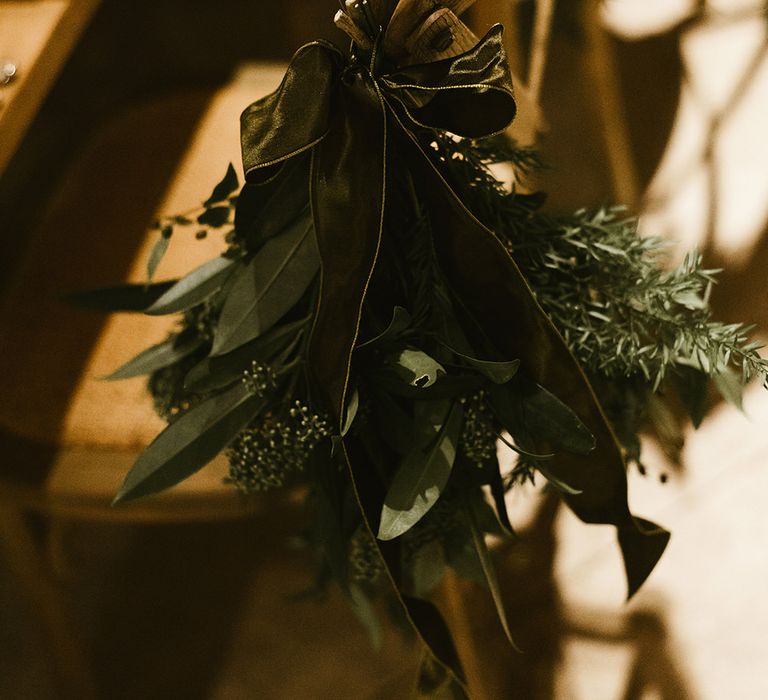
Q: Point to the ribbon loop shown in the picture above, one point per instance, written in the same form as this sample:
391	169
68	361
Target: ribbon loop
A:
295	117
469	95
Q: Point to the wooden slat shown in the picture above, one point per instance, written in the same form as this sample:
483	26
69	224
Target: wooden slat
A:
38	36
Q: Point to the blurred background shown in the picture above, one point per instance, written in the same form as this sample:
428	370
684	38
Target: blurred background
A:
119	112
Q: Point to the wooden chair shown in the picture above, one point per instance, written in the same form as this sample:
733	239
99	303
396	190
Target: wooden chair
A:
67	437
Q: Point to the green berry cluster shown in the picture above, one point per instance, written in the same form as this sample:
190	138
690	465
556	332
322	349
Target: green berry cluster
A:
274	450
260	379
365	564
479	433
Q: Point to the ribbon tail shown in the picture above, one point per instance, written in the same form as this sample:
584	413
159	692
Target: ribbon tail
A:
484	275
347	193
642	545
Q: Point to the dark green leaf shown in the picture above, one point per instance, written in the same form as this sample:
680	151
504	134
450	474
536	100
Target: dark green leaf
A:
421	478
550	419
190	442
327	512
497	372
351	411
226	187
417	368
535	456
264	211
401	319
730	387
127	297
528	408
461	555
158	252
490	574
484	515
691	384
394	425
215	217
497	491
556	482
268	287
193	288
156	357
220	371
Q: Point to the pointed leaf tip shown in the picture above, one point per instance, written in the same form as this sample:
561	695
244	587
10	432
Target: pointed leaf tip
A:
228	184
190	442
642	544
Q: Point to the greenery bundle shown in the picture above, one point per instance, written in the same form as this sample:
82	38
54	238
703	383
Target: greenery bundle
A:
387	316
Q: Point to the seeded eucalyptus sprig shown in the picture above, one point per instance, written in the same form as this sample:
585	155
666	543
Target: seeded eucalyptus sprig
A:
214	213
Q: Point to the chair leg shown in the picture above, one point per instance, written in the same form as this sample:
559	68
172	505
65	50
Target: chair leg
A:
26	561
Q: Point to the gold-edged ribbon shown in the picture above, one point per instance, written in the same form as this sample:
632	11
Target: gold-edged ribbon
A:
346	113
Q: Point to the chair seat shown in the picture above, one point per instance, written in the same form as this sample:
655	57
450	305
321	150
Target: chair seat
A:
162	157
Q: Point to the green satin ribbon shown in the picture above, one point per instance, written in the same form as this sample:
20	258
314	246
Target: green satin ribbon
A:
348	115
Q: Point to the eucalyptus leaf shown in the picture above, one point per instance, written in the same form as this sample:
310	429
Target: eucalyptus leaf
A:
394	424
498	492
156	357
202	378
527	409
730	387
550	419
228	184
497	372
417	368
490	574
484	514
158	251
190	442
515	447
556	482
268	287
263	211
220	371
401	320
691	384
461	555
193	288
420	479
350	412
215	217
127	297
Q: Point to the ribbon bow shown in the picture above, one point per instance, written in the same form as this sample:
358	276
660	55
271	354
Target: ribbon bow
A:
350	115
346	112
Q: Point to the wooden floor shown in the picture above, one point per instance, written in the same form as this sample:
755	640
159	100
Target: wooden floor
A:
206	611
